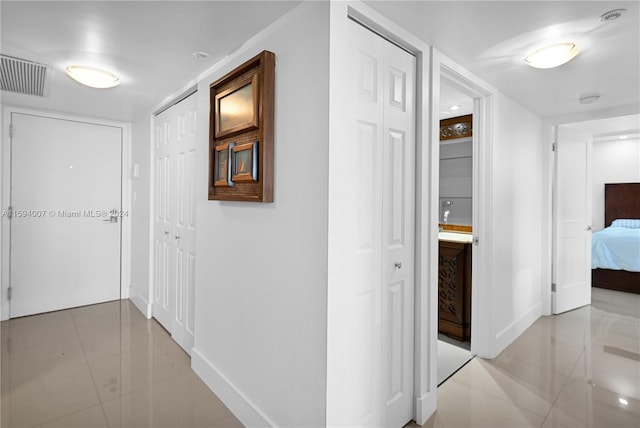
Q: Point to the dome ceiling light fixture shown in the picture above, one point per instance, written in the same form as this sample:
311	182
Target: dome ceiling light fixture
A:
553	55
92	77
454	107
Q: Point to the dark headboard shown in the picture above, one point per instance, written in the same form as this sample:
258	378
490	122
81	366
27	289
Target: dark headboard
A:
621	200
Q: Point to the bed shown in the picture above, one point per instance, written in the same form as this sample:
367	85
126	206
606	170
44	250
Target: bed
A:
616	249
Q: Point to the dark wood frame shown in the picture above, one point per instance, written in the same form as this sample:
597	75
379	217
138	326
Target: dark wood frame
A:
226	147
456	127
255	112
621	200
248	176
260	72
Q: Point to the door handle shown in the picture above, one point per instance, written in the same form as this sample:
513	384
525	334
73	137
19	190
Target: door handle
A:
397	265
177	238
589	228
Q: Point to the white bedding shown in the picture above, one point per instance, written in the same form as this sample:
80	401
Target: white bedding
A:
616	248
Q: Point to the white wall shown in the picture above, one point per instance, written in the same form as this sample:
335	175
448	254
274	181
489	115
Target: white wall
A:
261	269
517	220
139	291
613	162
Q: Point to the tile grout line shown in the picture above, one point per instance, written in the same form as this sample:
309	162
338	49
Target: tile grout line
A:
564	384
93	380
554	373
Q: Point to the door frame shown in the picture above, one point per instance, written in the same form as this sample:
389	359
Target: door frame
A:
340	15
5	190
483	342
549	125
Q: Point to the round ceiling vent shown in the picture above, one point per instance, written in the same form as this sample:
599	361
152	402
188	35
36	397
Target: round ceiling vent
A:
200	55
612	15
589	99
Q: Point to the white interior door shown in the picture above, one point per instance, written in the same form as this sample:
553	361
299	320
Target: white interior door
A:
174	221
383	84
398	234
65	239
572	220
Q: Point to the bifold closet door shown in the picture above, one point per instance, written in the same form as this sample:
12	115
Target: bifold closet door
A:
174	220
382	297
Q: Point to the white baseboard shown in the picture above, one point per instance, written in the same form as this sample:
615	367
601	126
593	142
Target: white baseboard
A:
140	302
425	407
516	328
231	396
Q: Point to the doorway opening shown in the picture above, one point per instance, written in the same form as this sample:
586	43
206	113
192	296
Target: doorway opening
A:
474	97
455	229
609	172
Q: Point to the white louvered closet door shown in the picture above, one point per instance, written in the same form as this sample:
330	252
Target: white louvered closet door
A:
174	220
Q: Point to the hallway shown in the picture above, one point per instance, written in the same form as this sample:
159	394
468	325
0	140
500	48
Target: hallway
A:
107	366
577	369
103	365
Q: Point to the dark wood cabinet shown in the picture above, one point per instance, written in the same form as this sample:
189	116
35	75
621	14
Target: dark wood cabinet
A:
454	290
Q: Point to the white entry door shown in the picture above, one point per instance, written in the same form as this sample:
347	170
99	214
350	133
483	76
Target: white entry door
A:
65	229
572	220
174	220
383	154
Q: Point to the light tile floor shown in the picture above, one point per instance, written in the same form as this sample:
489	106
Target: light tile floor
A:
577	369
450	359
107	366
101	366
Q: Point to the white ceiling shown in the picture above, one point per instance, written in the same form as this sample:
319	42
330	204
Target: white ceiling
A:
611	129
450	96
491	39
150	44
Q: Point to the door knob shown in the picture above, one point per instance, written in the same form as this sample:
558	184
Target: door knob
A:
398	265
177	237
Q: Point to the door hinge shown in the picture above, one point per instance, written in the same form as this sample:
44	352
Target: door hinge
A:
9	293
553	146
553	287
476	240
11	130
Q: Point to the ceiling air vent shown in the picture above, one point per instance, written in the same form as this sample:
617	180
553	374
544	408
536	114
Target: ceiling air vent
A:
22	76
612	15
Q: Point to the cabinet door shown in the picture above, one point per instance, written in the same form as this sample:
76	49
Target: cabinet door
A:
451	298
